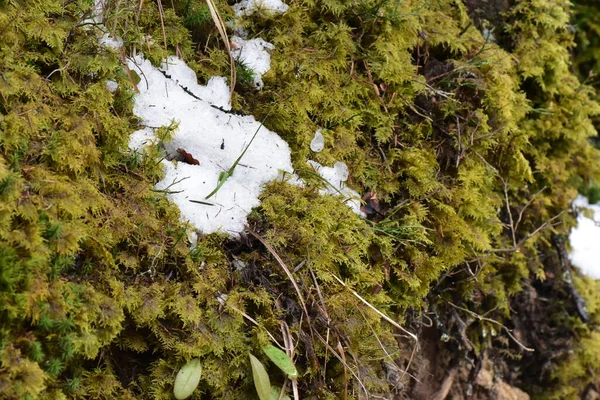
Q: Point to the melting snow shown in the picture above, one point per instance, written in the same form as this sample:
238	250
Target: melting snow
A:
110	41
336	177
111	85
213	137
317	144
254	55
585	240
249	7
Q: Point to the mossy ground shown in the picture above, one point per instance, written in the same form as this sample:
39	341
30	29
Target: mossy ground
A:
474	147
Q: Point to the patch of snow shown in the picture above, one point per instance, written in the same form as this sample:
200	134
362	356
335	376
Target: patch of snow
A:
215	92
249	7
214	138
97	19
488	35
96	15
254	55
317	144
111	85
141	138
111	41
585	240
336	177
192	238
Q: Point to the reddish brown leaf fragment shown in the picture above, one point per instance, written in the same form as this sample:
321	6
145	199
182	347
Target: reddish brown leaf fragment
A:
371	203
187	157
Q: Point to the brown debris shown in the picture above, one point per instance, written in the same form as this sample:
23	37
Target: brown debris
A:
371	203
187	157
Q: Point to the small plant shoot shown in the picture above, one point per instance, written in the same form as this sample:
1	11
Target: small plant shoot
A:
282	360
262	383
224	175
187	379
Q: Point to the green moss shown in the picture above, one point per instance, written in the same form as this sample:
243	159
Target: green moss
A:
471	155
578	371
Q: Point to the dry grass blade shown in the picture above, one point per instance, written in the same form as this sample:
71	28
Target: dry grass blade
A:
162	22
372	307
285	269
249	318
289	350
221	28
342	359
137	16
341	349
325	314
128	71
388	319
387	354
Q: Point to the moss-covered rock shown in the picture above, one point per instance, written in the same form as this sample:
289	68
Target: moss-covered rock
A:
473	144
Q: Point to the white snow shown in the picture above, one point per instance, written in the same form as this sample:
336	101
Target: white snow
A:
211	136
335	178
249	7
254	55
214	137
111	85
96	14
317	144
111	41
585	240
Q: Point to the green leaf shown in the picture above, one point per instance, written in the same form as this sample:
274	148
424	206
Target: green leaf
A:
223	176
187	379
275	394
282	360
136	78
261	379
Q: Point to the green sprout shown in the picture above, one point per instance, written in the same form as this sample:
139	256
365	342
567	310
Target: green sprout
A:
224	175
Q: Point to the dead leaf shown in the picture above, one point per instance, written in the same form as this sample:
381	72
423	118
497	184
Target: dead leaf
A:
371	205
188	158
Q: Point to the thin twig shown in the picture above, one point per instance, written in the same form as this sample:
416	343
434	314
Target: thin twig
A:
493	321
527	205
388	319
510	218
388	355
128	71
545	225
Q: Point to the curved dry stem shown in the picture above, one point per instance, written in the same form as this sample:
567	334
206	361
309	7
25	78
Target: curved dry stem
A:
223	32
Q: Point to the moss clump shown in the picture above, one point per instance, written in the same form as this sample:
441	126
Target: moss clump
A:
579	371
471	155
